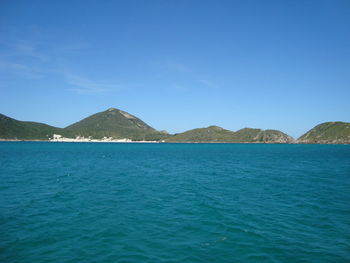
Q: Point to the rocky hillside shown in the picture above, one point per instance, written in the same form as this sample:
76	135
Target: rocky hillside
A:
218	134
328	132
262	136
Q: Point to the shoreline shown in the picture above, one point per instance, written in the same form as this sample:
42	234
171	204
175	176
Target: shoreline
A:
79	140
66	140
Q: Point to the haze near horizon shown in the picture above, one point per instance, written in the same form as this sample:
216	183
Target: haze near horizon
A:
178	65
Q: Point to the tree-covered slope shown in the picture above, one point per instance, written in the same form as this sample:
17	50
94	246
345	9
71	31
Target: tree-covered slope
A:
210	134
25	130
217	134
113	123
328	132
119	124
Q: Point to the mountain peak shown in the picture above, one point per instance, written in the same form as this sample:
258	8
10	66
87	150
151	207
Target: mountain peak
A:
124	113
113	123
215	127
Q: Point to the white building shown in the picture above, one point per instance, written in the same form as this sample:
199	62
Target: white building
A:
57	136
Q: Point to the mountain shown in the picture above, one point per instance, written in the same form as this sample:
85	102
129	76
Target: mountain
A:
262	136
328	132
113	123
25	130
218	134
210	134
119	124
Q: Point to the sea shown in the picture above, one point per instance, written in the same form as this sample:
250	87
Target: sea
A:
174	203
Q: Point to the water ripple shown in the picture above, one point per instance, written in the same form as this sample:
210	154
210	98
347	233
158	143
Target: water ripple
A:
174	203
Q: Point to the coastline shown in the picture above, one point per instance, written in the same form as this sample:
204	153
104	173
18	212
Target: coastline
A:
79	140
67	140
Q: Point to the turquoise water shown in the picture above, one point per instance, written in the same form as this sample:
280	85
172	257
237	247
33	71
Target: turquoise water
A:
85	202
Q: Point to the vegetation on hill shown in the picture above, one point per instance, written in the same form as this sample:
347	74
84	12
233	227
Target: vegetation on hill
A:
118	124
263	136
25	130
113	123
328	132
218	134
210	134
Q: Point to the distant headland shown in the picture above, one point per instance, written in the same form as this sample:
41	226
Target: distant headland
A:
114	125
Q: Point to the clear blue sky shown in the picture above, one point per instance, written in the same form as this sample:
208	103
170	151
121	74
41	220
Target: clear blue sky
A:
178	65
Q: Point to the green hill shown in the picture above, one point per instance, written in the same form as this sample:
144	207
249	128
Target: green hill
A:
119	124
218	134
328	132
25	130
262	136
210	134
113	123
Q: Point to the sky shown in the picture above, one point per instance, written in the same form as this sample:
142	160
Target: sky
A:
178	65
